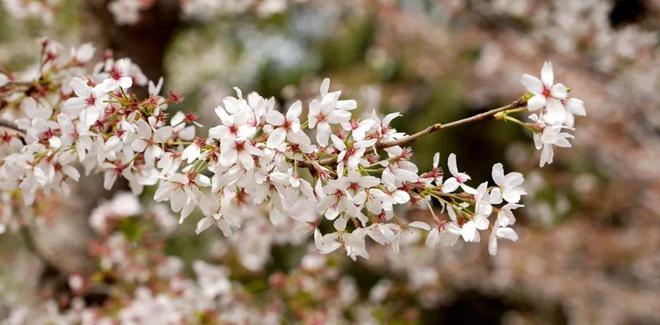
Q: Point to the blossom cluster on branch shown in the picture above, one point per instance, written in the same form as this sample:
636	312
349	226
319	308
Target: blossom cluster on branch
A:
138	284
338	176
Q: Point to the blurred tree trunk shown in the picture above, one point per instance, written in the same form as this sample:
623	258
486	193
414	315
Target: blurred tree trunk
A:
145	42
62	244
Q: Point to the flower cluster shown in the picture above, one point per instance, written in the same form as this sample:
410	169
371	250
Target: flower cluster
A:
137	284
554	112
343	178
128	12
39	9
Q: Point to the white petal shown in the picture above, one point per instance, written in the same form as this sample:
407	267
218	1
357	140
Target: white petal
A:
90	116
536	102
547	75
276	138
203	224
451	163
555	113
433	238
275	118
420	225
162	134
546	155
246	160
533	84
450	185
559	91
294	110
436	160
507	233
109	179
323	133
80	87
576	106
143	129
325	86
498	174
400	197
492	244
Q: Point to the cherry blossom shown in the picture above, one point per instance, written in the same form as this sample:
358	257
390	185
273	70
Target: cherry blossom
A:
89	102
509	185
457	179
543	89
261	161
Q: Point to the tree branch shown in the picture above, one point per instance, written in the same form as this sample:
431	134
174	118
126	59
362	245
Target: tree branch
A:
521	102
439	126
10	125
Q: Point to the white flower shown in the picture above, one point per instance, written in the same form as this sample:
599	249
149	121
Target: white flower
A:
510	188
234	117
483	201
88	103
383	233
83	53
149	141
358	128
479	221
119	74
328	243
446	234
470	229
154	89
193	151
113	170
329	110
435	175
286	126
77	137
125	12
183	192
237	149
341	104
501	232
574	107
458	179
350	157
36	122
377	201
335	200
385	132
551	136
354	243
3	80
356	183
225	223
543	88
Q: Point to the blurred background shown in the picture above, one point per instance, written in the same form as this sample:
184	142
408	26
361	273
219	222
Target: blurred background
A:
589	247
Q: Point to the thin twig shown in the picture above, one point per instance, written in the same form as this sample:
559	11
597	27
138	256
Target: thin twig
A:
10	125
521	102
439	126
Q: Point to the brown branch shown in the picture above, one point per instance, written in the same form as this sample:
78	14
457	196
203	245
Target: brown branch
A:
521	102
10	125
439	126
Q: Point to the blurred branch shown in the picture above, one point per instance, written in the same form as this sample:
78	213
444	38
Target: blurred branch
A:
439	126
50	269
144	42
9	125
